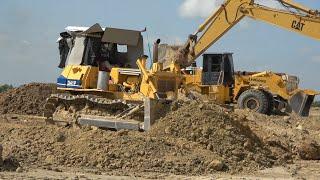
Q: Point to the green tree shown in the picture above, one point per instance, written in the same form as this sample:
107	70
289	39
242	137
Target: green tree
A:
5	87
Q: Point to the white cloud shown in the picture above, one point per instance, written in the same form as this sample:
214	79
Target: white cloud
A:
198	8
165	39
26	43
203	8
270	3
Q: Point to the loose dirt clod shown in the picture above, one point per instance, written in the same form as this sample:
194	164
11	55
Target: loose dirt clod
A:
309	150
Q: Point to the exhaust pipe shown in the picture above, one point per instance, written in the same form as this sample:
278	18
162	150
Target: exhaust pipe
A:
301	103
156	51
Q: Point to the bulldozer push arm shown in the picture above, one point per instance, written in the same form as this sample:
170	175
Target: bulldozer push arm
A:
148	88
297	18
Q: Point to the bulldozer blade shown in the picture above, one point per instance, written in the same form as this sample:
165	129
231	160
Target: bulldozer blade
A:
301	103
151	114
111	123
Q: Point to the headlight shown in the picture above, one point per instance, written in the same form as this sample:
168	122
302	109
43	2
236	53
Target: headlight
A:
285	77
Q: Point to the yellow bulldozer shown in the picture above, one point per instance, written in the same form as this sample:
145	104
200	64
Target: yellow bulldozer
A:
105	82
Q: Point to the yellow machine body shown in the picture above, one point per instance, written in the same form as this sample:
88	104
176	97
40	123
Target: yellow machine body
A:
124	83
217	93
212	80
79	77
280	84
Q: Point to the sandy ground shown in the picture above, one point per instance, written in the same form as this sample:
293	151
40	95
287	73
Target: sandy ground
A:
195	141
298	170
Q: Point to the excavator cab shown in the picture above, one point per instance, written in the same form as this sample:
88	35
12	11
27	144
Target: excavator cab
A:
215	79
218	69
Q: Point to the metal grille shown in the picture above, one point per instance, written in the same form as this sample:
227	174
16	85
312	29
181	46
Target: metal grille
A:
292	83
165	85
211	78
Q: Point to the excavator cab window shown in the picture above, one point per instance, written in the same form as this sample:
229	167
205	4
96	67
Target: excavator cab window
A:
212	69
228	70
92	51
216	66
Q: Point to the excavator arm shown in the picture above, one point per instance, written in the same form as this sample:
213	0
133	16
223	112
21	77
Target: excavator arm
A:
294	17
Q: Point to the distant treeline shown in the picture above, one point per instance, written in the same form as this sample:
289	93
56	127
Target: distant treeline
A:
5	87
316	104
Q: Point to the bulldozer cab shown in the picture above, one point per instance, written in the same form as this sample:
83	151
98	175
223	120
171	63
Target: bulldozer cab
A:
95	45
218	69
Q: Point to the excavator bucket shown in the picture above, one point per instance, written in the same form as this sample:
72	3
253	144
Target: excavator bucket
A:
301	102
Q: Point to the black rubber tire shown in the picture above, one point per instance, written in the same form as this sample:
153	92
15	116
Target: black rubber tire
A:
255	100
271	103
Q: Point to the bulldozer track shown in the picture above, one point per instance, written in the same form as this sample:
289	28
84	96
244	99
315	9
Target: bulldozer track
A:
116	108
90	98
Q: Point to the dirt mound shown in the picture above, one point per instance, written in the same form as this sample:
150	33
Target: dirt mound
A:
215	130
120	152
195	139
288	137
26	100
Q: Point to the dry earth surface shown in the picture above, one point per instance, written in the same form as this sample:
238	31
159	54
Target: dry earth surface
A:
196	140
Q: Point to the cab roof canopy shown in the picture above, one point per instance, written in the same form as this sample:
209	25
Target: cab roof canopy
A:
121	36
96	28
110	35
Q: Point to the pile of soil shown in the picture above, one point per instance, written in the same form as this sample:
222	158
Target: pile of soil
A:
26	100
122	152
288	137
214	129
193	140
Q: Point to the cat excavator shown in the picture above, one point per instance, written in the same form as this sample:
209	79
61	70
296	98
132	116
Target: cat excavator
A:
258	91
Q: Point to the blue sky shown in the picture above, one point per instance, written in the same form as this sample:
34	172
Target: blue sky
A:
29	29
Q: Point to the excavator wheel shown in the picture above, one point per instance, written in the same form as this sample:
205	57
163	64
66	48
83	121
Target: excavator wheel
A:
254	100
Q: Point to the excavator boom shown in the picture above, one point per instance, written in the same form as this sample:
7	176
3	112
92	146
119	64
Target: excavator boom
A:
294	17
304	24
